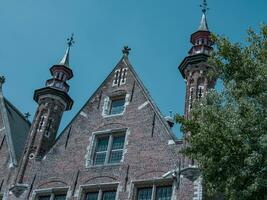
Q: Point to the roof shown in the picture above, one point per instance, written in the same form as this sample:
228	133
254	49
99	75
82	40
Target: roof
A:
125	61
16	128
203	23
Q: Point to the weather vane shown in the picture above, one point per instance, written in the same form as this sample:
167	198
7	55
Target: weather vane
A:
204	6
126	50
71	40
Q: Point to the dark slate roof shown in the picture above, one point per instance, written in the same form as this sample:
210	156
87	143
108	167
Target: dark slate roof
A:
19	128
16	128
203	23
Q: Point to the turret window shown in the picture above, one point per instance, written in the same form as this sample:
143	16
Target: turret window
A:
41	123
200	91
191	94
47	131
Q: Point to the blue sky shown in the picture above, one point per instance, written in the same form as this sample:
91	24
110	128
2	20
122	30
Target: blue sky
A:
33	38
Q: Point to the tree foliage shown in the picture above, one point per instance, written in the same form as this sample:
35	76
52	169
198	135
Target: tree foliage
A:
228	128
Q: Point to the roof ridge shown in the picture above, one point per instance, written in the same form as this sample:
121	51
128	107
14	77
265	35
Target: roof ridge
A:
153	103
16	110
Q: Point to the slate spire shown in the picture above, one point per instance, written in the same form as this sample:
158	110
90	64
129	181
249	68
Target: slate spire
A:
203	23
65	60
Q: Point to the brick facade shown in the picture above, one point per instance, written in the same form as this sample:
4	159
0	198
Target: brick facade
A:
150	156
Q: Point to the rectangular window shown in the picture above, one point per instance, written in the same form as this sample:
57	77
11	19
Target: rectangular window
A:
155	193
145	193
117	105
101	195
109	148
52	197
44	197
164	193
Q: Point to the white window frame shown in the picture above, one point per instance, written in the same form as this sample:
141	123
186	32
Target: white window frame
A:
92	146
100	188
108	102
50	191
120	77
154	184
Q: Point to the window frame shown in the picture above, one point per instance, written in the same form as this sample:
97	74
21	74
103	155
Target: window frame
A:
100	188
107	104
116	98
111	137
89	161
154	184
50	191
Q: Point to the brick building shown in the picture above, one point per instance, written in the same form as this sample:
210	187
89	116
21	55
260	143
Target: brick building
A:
118	146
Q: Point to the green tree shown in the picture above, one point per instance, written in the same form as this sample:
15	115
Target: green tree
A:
228	128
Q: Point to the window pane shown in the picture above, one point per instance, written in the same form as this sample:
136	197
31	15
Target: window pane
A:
102	144
115	156
117	106
118	142
92	196
60	197
109	195
44	197
100	158
164	193
144	194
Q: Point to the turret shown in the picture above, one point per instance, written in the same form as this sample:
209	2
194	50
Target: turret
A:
194	68
53	100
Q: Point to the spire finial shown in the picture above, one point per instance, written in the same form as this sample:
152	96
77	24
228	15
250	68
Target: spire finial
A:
126	50
71	40
2	81
204	6
203	23
65	59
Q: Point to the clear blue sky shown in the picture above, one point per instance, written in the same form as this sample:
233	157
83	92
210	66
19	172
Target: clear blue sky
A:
33	35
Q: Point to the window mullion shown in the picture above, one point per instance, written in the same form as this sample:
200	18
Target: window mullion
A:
52	197
153	192
100	195
109	148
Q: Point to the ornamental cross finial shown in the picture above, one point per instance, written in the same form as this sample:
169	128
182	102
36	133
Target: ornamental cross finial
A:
126	50
204	6
27	115
71	40
2	80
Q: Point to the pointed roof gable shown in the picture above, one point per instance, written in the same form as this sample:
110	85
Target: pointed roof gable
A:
150	99
15	126
124	61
